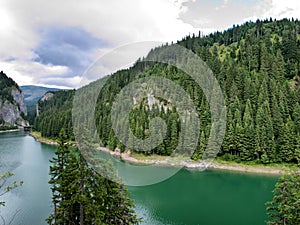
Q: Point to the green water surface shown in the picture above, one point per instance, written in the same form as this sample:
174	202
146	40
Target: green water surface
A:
189	197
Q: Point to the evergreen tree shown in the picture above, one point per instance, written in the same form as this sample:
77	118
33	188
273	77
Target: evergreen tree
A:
248	141
285	207
57	173
82	196
264	134
287	142
296	118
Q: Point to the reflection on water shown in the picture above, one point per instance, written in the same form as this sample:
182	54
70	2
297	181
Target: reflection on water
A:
189	197
29	161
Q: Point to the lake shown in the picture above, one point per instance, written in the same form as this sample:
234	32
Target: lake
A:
189	197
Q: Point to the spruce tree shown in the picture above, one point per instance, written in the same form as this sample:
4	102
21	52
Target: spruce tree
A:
82	196
248	141
285	207
57	173
287	142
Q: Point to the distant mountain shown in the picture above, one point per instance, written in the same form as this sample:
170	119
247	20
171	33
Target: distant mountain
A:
12	106
34	93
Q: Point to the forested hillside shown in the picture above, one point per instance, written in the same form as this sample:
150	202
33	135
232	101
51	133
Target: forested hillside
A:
257	65
55	112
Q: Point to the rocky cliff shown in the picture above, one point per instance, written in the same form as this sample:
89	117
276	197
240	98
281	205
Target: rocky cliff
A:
12	106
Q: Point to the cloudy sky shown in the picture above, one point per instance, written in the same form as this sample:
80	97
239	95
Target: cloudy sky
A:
52	43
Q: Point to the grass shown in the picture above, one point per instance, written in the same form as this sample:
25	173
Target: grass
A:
37	135
50	141
281	166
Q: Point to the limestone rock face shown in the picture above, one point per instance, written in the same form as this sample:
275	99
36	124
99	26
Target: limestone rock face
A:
19	99
12	112
47	96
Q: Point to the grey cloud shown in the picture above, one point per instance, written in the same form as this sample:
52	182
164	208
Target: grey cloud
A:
67	46
10	59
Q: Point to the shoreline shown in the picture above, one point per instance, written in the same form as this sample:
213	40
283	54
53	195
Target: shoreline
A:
7	131
187	163
182	161
37	137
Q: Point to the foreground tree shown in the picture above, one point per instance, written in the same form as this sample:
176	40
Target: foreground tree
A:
57	173
285	207
83	196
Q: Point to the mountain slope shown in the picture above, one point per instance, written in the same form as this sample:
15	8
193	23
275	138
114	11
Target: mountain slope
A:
257	65
55	112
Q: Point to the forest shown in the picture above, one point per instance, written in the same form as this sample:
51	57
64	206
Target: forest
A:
257	65
56	113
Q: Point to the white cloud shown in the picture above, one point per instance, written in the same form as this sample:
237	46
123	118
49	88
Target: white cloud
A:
61	82
117	23
16	36
28	72
283	9
219	15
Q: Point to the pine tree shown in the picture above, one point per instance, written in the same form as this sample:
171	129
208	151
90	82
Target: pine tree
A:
82	196
265	134
57	173
277	118
287	142
296	117
248	141
265	59
285	207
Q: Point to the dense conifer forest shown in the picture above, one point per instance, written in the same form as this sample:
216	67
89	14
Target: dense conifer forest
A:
257	65
55	114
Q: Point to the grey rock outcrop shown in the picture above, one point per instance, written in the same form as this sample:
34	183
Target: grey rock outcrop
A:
19	99
47	96
11	112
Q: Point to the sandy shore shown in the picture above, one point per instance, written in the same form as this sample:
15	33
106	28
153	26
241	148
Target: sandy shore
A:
183	161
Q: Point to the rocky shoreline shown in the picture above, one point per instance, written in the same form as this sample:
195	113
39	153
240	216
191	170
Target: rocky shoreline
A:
198	165
185	162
